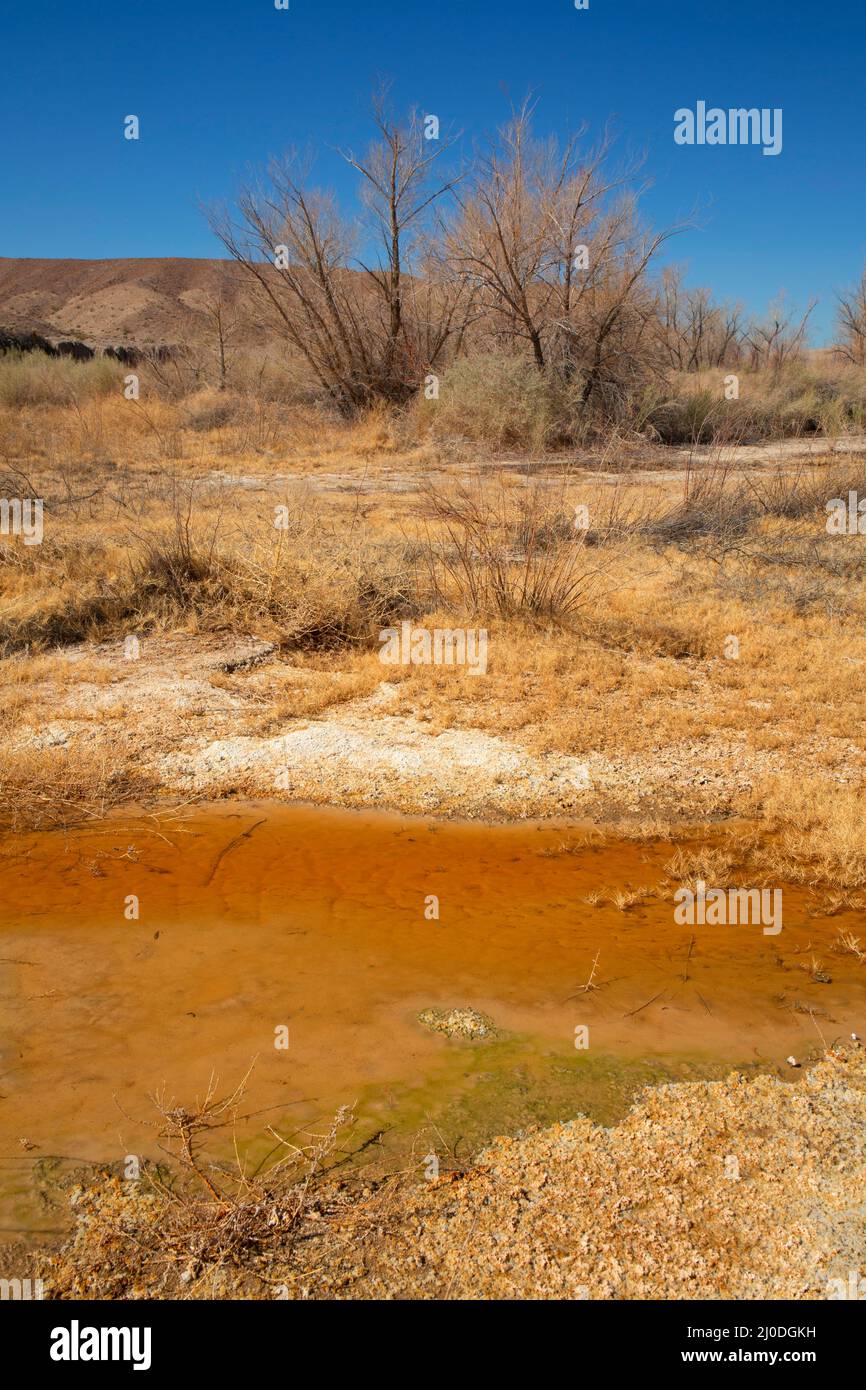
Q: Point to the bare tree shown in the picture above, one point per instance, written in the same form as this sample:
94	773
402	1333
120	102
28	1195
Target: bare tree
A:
777	339
499	243
851	322
588	235
548	238
397	191
367	331
619	316
694	332
220	308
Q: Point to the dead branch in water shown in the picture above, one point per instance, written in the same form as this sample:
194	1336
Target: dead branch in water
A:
590	984
685	974
632	1012
245	1213
232	844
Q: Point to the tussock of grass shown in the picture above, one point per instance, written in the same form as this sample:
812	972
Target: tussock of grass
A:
48	788
710	865
819	839
28	379
724	507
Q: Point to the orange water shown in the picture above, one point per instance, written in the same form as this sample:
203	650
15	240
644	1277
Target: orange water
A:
316	921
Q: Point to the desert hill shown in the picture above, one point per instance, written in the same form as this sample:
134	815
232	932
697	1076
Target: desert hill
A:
129	301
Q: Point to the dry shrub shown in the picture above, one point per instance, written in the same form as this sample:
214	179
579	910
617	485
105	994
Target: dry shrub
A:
319	584
513	553
495	399
34	378
193	1224
722	503
47	788
502	400
320	599
210	409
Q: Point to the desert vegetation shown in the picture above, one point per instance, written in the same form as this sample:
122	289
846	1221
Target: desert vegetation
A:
607	638
487	407
432	650
511	296
515	295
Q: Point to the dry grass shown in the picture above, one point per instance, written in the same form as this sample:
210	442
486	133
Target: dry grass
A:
611	641
818	833
187	1226
624	899
847	944
712	866
813	395
493	550
501	401
32	379
47	788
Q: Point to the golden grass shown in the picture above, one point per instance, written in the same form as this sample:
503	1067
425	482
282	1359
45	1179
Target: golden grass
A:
819	834
152	526
847	944
46	788
709	864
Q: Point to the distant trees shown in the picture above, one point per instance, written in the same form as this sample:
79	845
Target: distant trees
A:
694	332
534	247
777	339
851	322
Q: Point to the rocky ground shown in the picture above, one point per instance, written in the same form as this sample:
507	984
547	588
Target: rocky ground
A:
729	1189
734	1189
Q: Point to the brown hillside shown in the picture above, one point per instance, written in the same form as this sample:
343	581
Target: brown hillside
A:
158	300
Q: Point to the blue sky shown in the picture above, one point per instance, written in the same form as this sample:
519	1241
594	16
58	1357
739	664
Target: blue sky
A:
219	85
